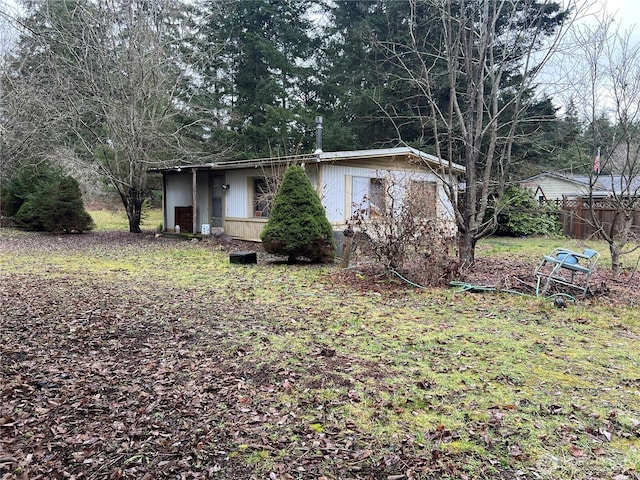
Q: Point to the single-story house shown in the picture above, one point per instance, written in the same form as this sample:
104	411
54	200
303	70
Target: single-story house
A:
573	192
233	197
550	186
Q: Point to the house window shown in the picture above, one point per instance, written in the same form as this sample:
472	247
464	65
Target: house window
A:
368	197
262	197
422	198
376	197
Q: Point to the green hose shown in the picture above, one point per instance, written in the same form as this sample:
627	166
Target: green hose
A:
404	279
468	287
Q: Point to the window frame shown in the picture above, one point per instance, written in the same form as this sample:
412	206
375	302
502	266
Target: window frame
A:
375	195
260	208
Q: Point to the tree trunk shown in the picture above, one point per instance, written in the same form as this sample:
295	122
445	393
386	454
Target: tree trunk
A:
135	217
133	205
466	250
346	251
616	262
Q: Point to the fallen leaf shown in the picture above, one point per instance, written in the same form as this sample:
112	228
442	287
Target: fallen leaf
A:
605	434
576	452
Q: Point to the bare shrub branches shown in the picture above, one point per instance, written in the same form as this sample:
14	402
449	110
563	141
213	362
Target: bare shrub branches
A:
399	226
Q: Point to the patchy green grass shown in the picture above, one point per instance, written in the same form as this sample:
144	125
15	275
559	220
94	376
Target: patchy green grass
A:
116	221
170	359
535	247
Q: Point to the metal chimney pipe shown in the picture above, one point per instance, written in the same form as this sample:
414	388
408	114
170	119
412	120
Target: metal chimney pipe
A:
318	135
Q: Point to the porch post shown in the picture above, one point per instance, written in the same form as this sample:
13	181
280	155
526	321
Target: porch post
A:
194	198
165	225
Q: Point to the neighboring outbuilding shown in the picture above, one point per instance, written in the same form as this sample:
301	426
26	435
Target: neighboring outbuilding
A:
550	186
580	217
234	197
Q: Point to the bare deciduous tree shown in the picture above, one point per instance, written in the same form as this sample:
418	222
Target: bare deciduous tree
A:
607	90
109	77
26	110
475	66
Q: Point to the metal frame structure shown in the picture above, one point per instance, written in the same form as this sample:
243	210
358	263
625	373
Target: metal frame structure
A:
566	267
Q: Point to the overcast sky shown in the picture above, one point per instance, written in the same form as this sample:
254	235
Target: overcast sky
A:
624	7
624	11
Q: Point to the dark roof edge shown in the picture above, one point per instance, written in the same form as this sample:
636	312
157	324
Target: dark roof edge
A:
320	157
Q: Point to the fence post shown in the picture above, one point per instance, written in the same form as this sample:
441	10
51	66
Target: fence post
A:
579	219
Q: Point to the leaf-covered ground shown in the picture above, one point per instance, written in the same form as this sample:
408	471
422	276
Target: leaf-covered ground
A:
129	356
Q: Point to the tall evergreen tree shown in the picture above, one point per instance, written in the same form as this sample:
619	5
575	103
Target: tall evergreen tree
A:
364	99
259	75
374	93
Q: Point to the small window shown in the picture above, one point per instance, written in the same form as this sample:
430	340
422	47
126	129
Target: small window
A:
262	197
422	198
368	197
376	198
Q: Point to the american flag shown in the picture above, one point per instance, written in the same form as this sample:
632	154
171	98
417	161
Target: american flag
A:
596	162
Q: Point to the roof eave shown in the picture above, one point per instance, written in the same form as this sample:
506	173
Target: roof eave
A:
320	157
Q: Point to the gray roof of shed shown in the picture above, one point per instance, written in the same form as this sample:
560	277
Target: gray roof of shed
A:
320	157
603	184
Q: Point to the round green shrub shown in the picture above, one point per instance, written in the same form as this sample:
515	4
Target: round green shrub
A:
521	215
298	225
51	202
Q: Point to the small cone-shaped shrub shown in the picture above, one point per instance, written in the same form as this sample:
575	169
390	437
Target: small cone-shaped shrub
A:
55	207
298	225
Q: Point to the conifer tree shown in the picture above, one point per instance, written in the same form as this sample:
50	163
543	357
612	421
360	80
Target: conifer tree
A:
298	225
54	205
261	72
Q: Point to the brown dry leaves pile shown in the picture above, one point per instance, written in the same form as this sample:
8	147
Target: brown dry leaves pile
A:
114	376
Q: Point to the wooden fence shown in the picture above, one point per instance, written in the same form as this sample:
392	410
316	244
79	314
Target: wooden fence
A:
580	221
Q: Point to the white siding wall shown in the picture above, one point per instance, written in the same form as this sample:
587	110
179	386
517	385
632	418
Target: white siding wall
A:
556	188
337	183
237	201
178	193
445	209
312	170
